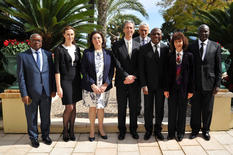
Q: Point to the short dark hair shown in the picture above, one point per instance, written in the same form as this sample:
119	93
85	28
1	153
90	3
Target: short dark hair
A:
91	45
64	31
178	36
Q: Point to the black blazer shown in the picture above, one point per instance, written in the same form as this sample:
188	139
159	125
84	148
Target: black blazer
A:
89	71
152	67
63	62
209	71
187	84
124	64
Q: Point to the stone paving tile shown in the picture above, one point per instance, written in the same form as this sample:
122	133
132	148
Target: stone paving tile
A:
173	152
85	146
222	137
212	144
43	148
18	151
61	151
128	153
169	145
218	152
106	151
111	142
37	153
127	147
230	132
149	150
229	148
187	141
87	153
4	149
150	142
84	137
63	144
193	150
128	140
12	137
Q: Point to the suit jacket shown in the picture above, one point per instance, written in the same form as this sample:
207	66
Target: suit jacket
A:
63	62
137	39
124	64
208	72
89	71
187	84
152	66
31	80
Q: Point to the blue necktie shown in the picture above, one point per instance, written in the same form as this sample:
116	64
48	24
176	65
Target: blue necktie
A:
143	42
38	59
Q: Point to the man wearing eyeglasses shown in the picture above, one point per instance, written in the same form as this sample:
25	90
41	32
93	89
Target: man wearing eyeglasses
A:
152	58
37	86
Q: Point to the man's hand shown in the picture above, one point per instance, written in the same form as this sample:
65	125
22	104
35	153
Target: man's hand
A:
129	79
166	94
216	90
26	100
190	95
53	94
103	87
60	92
145	90
95	89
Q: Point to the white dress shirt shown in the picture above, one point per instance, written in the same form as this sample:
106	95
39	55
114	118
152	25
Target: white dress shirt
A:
71	50
35	57
129	44
146	40
204	47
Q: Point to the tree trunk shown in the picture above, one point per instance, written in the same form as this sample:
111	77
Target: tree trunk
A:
102	15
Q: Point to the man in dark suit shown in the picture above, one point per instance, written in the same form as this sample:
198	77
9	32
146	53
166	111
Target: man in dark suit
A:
127	85
152	59
36	84
207	60
142	39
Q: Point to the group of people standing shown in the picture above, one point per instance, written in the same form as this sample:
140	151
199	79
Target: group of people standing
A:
147	71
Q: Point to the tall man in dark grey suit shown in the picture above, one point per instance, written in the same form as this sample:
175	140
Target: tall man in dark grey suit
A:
207	64
37	86
125	53
152	59
142	39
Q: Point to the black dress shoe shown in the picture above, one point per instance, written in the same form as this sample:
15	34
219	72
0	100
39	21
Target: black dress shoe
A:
180	137
102	136
72	136
206	135
134	135
193	135
121	136
47	140
159	136
170	137
35	143
91	139
147	135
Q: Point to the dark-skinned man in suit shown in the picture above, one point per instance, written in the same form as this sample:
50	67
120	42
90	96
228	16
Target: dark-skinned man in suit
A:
207	64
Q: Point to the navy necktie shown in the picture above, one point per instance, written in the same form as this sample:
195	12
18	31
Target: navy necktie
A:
202	49
143	42
38	59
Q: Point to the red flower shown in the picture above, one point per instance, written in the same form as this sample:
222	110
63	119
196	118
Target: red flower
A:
6	43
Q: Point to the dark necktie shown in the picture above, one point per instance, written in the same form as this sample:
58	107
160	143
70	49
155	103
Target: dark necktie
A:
143	42
156	51
202	49
38	59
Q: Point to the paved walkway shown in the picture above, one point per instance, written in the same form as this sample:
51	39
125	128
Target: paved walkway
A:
221	143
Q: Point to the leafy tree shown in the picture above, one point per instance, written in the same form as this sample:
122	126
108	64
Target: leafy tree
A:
48	18
109	10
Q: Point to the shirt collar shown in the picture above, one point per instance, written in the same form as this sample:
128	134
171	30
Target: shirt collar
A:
128	40
146	38
205	42
33	51
181	53
152	44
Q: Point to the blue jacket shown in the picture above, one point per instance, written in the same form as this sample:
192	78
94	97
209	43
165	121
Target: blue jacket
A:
31	80
89	72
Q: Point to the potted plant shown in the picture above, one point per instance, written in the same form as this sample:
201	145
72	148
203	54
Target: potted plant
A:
10	50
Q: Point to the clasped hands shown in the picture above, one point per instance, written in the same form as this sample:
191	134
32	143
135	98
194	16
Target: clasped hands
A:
99	90
129	79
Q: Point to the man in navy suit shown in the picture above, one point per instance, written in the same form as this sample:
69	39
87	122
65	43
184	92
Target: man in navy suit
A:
207	60
127	85
36	84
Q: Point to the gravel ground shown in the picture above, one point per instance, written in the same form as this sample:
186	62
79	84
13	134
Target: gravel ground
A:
109	111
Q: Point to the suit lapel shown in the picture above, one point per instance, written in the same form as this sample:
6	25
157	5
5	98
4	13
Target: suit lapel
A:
92	58
45	58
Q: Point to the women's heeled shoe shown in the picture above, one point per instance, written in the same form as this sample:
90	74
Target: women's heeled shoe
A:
102	136
91	139
65	136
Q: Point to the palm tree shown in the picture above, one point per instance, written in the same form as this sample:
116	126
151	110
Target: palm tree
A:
48	18
109	9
